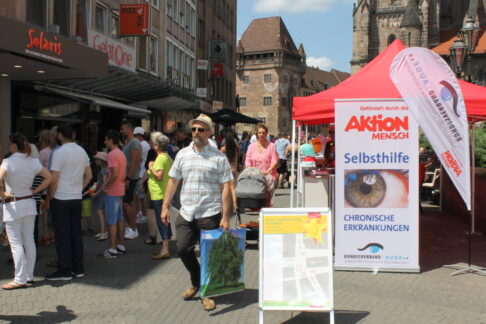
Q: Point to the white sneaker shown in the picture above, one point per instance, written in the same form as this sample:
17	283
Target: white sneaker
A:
131	234
141	219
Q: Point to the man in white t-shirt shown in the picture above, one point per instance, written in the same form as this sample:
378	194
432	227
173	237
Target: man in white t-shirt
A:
139	201
71	172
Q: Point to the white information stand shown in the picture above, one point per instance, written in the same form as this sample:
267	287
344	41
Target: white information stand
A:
296	260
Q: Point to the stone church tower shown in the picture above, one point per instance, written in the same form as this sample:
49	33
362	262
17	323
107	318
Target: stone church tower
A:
377	23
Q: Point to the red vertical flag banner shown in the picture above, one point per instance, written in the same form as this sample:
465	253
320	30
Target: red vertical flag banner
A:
431	91
134	19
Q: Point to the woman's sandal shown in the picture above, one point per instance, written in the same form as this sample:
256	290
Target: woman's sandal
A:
150	241
13	285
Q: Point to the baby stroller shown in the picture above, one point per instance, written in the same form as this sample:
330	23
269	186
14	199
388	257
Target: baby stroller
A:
251	192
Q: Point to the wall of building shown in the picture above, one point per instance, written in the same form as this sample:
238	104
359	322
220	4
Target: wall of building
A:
217	22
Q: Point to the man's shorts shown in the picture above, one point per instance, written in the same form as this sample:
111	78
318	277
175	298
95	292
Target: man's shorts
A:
113	209
282	166
99	202
87	207
139	190
130	191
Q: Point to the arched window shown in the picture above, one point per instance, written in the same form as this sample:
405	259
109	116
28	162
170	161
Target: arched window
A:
391	39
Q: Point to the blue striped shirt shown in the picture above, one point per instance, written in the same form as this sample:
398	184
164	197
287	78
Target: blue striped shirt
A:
202	174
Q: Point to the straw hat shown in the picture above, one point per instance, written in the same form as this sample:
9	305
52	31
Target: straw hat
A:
203	119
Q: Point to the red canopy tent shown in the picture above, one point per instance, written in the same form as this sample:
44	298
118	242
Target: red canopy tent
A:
373	81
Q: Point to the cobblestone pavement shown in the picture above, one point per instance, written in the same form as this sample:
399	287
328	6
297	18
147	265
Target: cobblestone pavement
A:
136	289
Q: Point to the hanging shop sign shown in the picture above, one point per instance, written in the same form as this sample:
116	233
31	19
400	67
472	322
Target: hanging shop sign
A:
376	186
119	54
134	19
202	64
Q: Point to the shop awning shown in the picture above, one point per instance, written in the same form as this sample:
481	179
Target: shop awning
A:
105	102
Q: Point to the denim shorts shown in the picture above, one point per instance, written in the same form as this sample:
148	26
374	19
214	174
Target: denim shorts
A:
113	209
99	202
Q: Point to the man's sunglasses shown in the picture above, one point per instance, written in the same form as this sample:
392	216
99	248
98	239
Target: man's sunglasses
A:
200	130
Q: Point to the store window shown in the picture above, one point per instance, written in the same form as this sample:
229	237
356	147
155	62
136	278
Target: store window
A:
246	79
267	78
82	19
142	53
169	8
156	3
61	14
267	101
114	26
242	101
100	18
153	54
37	12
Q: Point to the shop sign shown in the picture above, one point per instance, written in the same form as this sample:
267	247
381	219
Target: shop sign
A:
217	70
134	19
50	46
201	92
202	64
217	105
119	54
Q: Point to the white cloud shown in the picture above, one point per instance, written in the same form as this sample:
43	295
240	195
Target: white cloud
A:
323	63
291	5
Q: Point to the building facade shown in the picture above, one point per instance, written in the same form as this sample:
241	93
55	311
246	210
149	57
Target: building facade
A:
270	70
86	73
216	41
424	23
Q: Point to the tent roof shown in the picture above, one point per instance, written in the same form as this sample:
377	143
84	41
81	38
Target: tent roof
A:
373	81
228	116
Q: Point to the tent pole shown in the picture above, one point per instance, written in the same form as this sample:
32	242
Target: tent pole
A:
292	167
306	132
473	178
299	180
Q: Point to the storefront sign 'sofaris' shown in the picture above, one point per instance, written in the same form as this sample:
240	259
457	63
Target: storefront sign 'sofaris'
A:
38	40
118	54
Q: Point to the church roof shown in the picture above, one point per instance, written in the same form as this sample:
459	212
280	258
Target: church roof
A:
447	38
267	34
411	17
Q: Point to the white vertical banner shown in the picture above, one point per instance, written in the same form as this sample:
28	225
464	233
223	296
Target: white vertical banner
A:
430	88
377	202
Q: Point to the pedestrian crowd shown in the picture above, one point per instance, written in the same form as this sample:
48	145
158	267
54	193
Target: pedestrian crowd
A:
195	174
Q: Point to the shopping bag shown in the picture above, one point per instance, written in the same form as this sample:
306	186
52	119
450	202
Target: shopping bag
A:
222	261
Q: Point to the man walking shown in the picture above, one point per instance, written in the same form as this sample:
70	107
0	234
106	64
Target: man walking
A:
133	152
281	145
114	188
71	172
205	198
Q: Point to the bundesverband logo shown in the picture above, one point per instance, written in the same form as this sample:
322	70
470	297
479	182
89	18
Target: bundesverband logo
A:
447	93
373	247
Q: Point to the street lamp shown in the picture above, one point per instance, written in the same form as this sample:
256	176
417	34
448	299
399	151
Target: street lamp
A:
457	51
463	47
470	32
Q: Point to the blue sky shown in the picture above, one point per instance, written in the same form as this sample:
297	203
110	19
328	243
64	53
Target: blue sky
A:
323	26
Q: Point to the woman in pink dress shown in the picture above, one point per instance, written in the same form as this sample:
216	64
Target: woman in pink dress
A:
263	155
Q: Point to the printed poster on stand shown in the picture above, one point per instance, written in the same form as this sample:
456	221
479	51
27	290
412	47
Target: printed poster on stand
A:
377	200
296	271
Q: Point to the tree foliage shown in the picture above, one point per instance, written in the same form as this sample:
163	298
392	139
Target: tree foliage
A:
481	145
225	260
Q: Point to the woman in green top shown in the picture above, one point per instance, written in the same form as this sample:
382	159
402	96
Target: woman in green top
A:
158	177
